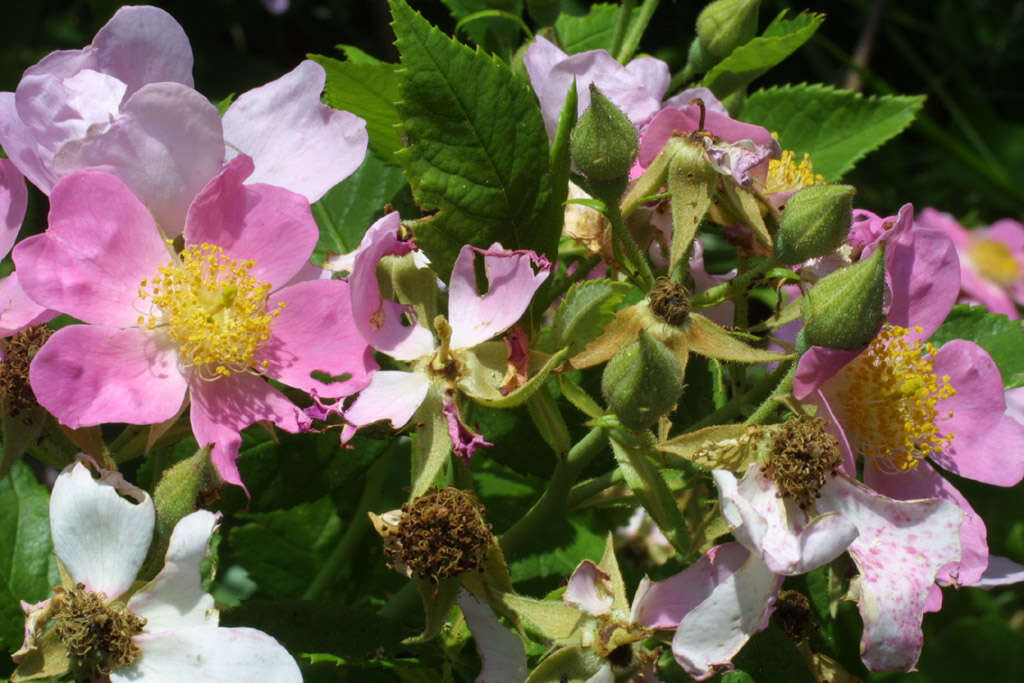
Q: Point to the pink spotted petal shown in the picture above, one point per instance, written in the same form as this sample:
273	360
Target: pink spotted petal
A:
224	407
100	246
17	310
315	333
20	145
269	225
776	528
501	650
379	320
91	374
165	145
13	202
296	141
589	589
512	278
987	445
924	482
900	549
392	395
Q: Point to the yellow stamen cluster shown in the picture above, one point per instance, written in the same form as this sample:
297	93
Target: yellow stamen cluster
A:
785	175
994	262
213	308
888	402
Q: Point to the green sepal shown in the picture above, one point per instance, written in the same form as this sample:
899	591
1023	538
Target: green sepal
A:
816	222
431	445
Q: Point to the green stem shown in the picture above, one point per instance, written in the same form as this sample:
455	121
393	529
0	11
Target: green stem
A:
769	405
620	233
631	41
728	290
621	22
585	490
755	395
552	502
357	528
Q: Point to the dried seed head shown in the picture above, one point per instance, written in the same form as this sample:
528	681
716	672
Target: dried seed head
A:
793	615
19	350
803	456
669	301
98	635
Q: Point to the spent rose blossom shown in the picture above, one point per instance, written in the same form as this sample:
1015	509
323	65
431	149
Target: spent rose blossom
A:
164	630
207	323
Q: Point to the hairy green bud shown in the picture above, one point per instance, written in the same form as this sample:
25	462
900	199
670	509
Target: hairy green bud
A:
844	310
642	382
603	143
815	222
724	25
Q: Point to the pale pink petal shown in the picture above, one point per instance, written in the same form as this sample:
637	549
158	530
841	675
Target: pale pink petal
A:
900	549
776	528
17	310
1001	571
924	482
209	654
381	321
20	145
175	598
501	650
91	374
165	145
100	537
392	395
1015	404
987	445
296	141
224	407
267	224
683	99
540	58
315	332
738	595
13	202
977	289
101	245
512	279
653	73
585	591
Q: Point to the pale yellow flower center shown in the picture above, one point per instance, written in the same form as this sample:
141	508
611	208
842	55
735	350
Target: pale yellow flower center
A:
785	175
888	401
994	261
213	308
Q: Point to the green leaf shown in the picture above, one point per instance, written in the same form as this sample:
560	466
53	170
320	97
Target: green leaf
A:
565	543
27	567
780	39
499	35
367	90
348	208
283	549
836	127
478	148
592	31
997	334
585	312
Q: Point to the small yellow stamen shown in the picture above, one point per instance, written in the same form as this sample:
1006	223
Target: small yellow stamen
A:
785	175
888	401
213	308
994	261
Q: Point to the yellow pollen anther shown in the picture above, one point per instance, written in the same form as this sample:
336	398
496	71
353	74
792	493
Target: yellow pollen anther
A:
888	401
785	175
994	261
213	308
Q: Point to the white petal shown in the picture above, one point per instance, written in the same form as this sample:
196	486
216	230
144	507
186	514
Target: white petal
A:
501	650
175	598
211	655
101	538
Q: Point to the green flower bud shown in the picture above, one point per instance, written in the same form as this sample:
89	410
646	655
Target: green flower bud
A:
815	222
603	143
642	382
724	25
844	310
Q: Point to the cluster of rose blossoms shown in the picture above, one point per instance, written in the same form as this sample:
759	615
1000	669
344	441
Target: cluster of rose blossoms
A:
180	240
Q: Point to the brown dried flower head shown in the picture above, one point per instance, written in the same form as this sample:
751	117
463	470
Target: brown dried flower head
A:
803	457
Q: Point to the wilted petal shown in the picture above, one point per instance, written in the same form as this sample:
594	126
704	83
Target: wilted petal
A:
100	537
465	442
501	650
589	589
296	141
175	598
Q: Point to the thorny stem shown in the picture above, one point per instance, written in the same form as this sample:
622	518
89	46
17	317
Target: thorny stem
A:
765	410
728	290
620	233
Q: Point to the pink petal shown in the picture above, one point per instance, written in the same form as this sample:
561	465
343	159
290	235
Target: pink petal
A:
938	220
900	549
539	60
210	654
102	243
378	320
100	537
465	442
296	141
270	225
17	311
589	590
224	407
391	395
501	650
683	99
817	366
91	374
315	332
21	147
653	73
672	120
924	482
776	528
987	445
165	145
13	202
512	282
